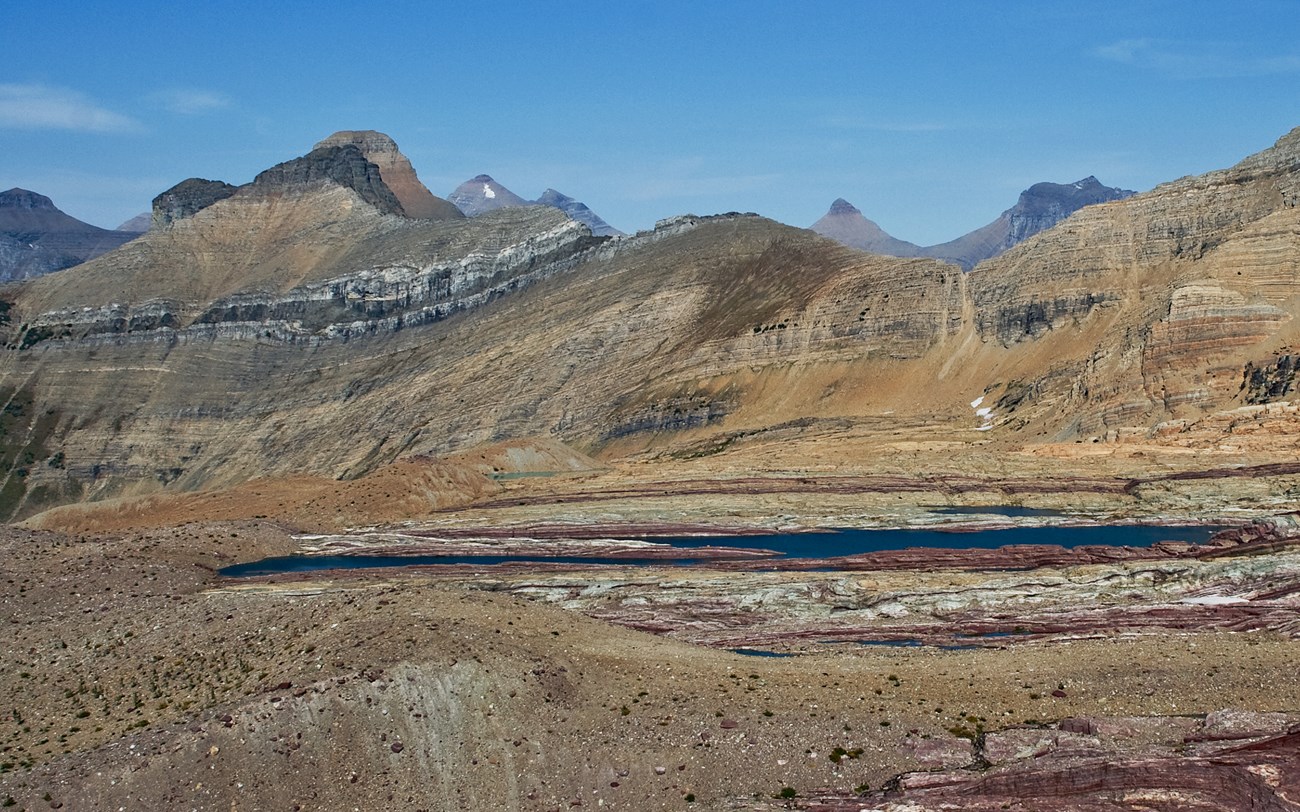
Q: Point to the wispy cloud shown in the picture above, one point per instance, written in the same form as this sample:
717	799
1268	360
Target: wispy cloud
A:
1196	60
41	107
190	101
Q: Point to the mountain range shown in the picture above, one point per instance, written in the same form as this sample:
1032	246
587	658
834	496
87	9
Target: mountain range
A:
481	194
1040	207
303	324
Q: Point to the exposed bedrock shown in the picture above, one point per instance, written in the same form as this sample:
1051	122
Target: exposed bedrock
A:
187	198
264	328
1112	764
962	598
397	173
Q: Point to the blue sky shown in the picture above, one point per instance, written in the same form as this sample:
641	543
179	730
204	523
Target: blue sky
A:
929	116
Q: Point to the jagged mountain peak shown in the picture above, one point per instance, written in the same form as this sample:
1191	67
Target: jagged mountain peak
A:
397	173
842	206
846	224
1039	207
1087	189
345	165
138	224
552	197
187	198
481	194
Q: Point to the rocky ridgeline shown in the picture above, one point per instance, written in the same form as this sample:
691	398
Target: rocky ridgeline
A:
344	165
382	298
498	255
493	256
705	323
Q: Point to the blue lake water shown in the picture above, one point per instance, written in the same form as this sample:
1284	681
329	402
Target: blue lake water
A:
817	545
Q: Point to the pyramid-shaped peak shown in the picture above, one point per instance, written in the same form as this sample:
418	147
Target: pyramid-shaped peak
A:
845	224
482	194
553	198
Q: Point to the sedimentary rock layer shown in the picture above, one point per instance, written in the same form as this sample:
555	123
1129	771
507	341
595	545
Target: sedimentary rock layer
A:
302	313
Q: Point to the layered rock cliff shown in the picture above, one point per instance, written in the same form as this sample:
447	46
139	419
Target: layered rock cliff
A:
1156	303
344	165
36	238
304	325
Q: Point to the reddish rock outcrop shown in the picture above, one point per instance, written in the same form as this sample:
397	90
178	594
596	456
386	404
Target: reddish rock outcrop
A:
398	174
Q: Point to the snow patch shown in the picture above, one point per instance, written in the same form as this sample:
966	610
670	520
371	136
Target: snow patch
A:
984	413
487	192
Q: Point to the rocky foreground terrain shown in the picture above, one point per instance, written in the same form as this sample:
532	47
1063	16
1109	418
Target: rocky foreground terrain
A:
137	677
313	364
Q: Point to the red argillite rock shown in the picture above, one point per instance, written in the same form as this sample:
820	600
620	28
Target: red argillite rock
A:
1105	768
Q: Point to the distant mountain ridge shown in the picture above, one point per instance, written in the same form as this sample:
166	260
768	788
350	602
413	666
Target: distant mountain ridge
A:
1040	207
138	224
37	238
481	194
845	224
